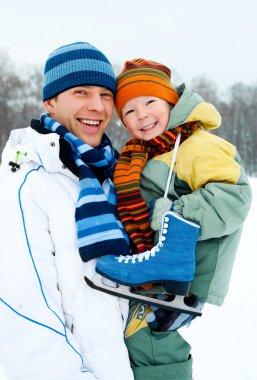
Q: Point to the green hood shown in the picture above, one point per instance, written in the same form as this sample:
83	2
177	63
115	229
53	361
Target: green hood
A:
191	107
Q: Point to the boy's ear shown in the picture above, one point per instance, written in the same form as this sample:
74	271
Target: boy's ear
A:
49	105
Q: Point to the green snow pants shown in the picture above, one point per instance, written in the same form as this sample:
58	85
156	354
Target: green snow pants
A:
156	355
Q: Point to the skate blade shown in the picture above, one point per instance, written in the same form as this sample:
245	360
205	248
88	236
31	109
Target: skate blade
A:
123	291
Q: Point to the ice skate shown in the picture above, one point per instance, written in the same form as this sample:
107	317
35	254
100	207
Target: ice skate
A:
171	261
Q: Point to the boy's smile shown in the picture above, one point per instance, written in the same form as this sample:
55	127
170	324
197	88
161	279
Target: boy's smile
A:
146	117
152	125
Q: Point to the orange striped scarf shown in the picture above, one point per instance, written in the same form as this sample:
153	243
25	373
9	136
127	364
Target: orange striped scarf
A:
132	209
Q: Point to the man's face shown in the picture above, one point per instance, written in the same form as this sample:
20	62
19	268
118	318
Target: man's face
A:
85	111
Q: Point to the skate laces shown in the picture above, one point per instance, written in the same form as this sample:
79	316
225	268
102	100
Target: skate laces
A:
147	254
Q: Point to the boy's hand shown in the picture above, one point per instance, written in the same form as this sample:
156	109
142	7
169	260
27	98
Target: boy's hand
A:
164	320
158	207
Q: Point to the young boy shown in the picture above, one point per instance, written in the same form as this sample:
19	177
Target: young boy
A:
208	186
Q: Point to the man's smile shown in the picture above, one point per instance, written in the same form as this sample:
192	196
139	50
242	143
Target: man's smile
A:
90	122
90	125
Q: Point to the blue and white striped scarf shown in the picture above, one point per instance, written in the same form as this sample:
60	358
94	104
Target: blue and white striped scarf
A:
98	229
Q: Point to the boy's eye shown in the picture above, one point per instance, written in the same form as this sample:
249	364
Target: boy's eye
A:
128	112
150	101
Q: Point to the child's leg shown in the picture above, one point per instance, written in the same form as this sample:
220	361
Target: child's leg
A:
156	355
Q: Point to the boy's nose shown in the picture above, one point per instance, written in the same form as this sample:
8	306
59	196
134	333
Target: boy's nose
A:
141	113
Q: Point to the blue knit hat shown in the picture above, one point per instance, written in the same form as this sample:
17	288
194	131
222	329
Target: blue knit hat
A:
74	65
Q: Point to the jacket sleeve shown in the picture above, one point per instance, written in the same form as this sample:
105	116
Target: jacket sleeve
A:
59	327
220	209
222	195
34	340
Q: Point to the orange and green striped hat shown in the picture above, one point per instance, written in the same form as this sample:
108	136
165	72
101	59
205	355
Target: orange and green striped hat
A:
140	77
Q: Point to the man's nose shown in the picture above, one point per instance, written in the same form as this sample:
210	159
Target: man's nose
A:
96	103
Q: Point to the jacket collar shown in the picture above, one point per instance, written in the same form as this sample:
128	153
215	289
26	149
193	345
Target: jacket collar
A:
191	107
27	145
64	147
65	151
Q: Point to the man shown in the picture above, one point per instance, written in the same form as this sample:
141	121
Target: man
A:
52	325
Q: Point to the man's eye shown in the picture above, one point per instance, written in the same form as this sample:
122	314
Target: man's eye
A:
80	92
107	95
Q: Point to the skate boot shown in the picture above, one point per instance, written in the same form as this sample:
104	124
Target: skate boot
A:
171	261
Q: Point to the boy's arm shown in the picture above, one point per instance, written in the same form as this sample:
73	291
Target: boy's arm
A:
220	195
219	208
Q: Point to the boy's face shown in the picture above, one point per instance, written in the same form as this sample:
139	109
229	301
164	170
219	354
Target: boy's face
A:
146	117
85	111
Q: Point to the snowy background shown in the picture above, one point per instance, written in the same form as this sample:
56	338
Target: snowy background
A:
200	37
224	339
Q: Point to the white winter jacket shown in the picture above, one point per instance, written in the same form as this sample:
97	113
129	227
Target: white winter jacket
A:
52	325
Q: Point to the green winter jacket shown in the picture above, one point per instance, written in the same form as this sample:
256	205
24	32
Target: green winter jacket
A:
209	186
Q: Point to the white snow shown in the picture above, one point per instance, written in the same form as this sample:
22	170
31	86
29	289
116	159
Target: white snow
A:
224	339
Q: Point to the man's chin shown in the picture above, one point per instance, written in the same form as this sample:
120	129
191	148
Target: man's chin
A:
93	141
